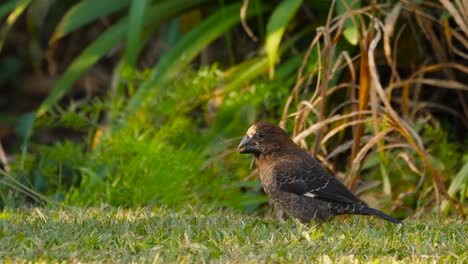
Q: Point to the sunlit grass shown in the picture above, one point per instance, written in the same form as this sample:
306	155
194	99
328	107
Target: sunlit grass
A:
193	235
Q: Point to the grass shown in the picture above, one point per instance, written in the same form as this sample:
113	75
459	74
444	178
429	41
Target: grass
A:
158	235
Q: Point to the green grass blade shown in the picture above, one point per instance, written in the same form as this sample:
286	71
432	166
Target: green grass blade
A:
85	12
276	26
136	23
11	19
104	43
189	47
24	130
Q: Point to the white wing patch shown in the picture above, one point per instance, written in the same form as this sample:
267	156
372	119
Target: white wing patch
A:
308	194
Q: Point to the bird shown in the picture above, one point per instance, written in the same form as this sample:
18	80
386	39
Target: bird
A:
296	182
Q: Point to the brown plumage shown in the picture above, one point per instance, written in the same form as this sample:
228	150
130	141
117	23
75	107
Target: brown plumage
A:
296	181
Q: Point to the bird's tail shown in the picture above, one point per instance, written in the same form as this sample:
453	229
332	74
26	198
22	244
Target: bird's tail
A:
371	211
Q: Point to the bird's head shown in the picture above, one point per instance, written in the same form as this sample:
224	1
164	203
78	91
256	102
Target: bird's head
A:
263	138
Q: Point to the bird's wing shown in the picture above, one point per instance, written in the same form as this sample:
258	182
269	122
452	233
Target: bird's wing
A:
307	177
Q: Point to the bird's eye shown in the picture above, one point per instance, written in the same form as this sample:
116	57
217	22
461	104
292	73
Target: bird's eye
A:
260	135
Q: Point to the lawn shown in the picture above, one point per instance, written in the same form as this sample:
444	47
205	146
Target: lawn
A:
158	235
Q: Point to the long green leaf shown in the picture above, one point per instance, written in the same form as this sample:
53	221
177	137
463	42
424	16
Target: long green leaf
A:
7	8
247	72
251	69
459	184
136	23
86	12
350	31
84	61
276	26
104	44
189	47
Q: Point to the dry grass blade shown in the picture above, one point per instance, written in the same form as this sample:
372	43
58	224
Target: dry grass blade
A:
315	127
462	38
437	182
407	158
460	53
459	13
423	105
390	21
20	187
357	161
346	146
439	67
339	128
363	95
326	62
339	65
438	48
377	105
407	132
243	12
3	159
442	83
299	82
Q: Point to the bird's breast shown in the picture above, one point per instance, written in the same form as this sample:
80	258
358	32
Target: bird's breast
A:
266	176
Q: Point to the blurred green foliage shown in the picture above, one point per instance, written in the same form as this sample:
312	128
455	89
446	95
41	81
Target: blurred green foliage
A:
160	154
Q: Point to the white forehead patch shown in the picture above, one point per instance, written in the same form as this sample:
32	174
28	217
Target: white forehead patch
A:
252	130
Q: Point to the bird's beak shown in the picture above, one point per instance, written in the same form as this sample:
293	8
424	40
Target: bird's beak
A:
247	146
